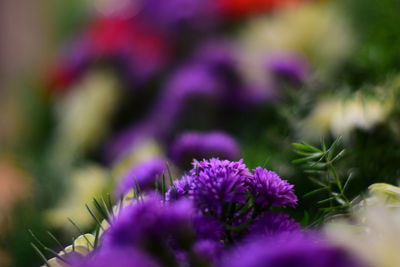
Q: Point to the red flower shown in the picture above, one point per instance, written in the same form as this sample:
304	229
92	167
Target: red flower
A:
142	50
242	8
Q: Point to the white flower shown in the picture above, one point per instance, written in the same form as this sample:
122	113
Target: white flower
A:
374	231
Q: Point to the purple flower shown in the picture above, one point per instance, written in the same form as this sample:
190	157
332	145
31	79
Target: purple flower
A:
271	224
270	190
195	145
121	257
218	182
126	141
176	15
288	250
179	189
210	79
291	68
209	228
188	85
149	222
144	175
221	59
208	250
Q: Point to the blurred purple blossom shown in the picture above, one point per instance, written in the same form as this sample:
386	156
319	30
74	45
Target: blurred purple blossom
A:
210	79
149	221
121	257
208	227
271	224
288	250
196	145
132	48
289	68
143	175
208	250
178	15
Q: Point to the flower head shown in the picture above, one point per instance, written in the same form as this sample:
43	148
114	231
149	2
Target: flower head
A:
270	190
217	182
180	188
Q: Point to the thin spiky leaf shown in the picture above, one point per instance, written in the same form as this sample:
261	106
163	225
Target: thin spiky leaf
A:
171	179
107	209
316	191
41	255
318	182
306	147
101	209
80	231
57	241
94	216
96	237
326	200
347	181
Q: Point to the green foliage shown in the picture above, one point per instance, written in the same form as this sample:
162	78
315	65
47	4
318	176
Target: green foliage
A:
319	165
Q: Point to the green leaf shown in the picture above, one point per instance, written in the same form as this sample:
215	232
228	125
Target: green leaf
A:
306	147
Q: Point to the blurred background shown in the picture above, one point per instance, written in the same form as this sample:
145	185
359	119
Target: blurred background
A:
93	90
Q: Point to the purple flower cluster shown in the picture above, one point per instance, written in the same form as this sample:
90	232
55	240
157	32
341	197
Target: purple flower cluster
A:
215	184
197	224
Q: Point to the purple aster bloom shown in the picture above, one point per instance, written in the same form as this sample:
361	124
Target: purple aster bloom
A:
149	222
121	257
179	189
272	223
144	175
288	250
195	145
218	182
292	68
270	190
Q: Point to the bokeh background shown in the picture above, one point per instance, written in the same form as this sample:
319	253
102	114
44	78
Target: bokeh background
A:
91	90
